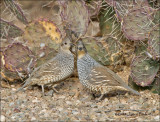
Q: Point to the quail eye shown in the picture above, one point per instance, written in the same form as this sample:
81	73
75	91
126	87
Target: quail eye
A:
80	48
65	43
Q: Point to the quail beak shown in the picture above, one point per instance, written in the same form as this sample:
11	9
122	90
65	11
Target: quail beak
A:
72	47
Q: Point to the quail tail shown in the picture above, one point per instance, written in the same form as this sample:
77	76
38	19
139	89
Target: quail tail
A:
132	90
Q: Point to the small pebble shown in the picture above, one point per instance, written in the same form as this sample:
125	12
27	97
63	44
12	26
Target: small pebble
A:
12	86
98	111
50	93
35	100
71	93
94	106
135	107
33	119
12	103
13	89
75	112
3	119
16	110
156	118
69	103
60	109
62	97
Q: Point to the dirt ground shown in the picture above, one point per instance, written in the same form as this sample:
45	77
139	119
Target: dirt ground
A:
73	102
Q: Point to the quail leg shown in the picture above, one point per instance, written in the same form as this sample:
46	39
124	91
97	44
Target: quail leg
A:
100	98
54	90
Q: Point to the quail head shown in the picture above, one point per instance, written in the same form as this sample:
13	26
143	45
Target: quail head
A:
96	77
55	70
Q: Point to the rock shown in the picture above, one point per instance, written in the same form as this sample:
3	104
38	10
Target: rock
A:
60	109
94	106
71	93
98	111
75	112
35	100
145	105
3	118
156	118
33	118
134	107
69	103
10	104
50	93
16	110
13	89
62	97
12	86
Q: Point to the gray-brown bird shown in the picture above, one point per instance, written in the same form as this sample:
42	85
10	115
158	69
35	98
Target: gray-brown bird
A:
55	70
96	77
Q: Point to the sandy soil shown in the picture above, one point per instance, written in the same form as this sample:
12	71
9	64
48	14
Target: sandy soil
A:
73	102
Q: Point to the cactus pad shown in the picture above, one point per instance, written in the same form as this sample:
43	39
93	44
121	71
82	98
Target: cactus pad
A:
157	16
9	30
43	38
154	42
107	50
156	86
122	7
108	23
16	10
75	14
17	58
137	23
94	8
143	70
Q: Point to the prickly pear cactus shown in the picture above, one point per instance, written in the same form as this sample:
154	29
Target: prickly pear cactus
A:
74	14
143	70
122	7
157	16
137	24
154	43
16	10
108	23
156	86
7	74
43	39
93	8
9	30
106	50
18	60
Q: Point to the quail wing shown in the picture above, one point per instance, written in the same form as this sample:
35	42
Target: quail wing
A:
51	68
103	76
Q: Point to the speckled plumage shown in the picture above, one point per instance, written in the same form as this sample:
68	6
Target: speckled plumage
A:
55	70
96	77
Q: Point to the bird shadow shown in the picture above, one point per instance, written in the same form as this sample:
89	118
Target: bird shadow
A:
108	95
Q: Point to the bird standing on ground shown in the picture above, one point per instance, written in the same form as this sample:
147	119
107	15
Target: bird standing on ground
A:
96	77
55	70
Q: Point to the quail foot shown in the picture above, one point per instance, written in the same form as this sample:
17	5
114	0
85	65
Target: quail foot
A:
55	70
96	77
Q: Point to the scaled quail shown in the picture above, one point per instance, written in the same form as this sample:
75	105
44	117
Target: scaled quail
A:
96	77
55	70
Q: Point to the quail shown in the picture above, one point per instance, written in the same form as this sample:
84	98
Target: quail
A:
55	70
95	76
